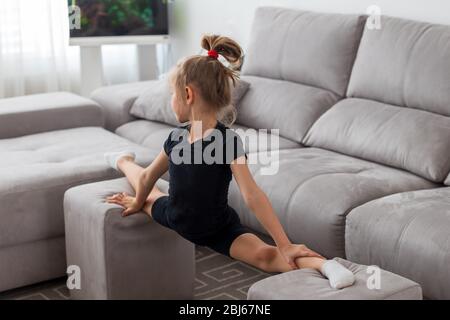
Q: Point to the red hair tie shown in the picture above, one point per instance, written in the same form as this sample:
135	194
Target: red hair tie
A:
213	54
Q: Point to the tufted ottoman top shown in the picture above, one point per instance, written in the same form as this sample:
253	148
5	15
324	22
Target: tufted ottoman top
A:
37	169
371	283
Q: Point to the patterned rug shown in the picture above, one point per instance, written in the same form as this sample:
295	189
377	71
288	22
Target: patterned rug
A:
217	277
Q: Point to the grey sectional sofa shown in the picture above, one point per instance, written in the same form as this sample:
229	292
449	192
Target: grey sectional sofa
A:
364	123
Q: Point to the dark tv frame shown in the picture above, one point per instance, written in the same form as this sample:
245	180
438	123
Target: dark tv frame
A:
150	39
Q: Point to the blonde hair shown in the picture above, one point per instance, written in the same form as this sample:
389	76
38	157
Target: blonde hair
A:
210	76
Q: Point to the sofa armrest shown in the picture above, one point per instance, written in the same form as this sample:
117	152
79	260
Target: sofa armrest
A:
37	113
117	101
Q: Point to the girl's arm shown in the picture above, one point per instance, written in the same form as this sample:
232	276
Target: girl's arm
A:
258	202
260	205
147	181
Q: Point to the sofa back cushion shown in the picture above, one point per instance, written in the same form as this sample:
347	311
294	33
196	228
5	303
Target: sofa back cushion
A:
405	63
413	140
315	49
399	101
287	106
154	103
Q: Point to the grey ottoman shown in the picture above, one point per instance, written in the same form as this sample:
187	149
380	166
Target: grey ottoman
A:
123	258
308	284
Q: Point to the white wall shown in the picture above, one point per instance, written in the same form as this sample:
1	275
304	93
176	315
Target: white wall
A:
192	18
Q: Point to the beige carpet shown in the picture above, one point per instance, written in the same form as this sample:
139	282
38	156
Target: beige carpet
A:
217	277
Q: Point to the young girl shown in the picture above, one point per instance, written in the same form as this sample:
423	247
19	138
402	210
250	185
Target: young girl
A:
196	206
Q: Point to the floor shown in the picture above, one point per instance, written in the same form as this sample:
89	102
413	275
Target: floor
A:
217	277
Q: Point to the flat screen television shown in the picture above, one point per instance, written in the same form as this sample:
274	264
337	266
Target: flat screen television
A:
95	22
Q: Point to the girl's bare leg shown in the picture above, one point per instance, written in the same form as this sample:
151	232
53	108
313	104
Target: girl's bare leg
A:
132	171
252	250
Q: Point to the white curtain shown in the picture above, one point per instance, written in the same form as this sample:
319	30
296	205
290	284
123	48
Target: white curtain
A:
34	52
35	55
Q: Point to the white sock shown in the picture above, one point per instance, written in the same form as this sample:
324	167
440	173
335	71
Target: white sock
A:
113	157
338	275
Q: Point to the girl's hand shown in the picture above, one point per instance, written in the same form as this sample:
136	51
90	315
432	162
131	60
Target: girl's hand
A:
126	201
293	251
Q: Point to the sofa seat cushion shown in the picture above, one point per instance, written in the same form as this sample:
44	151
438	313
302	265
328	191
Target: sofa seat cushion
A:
409	139
408	234
152	135
290	107
314	189
36	170
317	49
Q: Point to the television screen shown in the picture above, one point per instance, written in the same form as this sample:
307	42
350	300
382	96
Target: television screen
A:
112	18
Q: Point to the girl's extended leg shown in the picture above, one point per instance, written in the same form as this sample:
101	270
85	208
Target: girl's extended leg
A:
252	250
132	171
